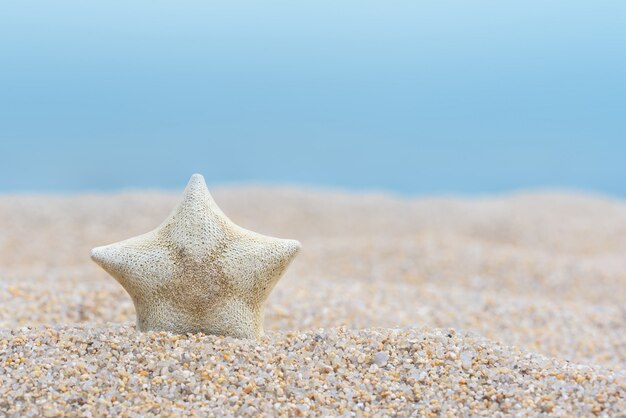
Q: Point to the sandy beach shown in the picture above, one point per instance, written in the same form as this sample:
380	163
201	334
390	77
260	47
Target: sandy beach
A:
499	306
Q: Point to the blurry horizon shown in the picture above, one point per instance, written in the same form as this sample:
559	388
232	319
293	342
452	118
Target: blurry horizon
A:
407	97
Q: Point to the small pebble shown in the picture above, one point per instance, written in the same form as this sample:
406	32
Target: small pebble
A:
466	359
381	358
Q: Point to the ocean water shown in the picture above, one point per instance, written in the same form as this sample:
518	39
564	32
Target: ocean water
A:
412	97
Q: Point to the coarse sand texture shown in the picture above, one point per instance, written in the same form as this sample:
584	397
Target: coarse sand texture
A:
198	271
504	306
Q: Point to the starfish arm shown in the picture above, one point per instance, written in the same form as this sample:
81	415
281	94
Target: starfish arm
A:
139	264
197	226
254	264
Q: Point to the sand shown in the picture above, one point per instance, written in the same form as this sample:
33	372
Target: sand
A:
512	305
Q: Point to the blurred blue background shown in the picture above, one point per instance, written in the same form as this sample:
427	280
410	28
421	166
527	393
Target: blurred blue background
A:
407	96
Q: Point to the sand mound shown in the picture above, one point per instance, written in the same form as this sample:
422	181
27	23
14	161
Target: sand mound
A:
114	369
545	273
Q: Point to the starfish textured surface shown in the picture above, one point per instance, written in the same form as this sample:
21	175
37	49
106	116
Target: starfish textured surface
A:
198	271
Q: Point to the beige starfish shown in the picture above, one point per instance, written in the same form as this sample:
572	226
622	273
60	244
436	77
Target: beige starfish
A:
198	271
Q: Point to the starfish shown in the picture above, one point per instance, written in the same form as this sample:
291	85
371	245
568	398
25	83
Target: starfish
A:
198	271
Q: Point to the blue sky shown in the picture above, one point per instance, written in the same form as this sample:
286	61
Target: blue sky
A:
406	96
